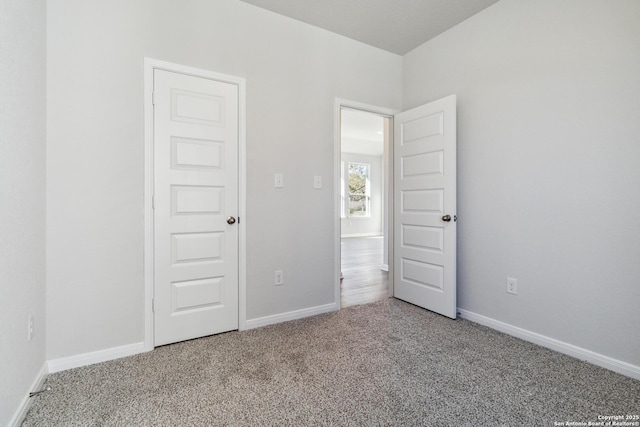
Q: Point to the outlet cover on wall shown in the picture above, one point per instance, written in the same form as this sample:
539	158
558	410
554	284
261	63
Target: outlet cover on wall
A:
512	286
278	278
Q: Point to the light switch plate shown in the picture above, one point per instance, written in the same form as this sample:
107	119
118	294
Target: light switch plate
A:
279	180
317	182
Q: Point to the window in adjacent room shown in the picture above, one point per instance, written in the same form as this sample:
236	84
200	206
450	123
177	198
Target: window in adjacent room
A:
359	188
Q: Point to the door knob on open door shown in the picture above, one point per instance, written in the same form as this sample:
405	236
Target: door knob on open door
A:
446	218
231	220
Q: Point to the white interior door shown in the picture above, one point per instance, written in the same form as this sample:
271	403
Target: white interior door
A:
425	206
195	202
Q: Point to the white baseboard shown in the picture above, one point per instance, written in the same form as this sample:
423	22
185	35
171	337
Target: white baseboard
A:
64	363
606	362
347	236
384	267
291	315
21	412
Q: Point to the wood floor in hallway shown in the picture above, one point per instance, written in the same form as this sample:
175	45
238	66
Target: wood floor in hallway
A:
363	281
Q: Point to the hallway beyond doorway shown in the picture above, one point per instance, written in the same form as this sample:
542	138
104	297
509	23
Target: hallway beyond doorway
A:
363	281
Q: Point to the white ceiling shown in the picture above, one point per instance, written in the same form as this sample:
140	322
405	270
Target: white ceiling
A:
397	26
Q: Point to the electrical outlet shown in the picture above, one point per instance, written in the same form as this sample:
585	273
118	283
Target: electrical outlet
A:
278	278
512	286
30	333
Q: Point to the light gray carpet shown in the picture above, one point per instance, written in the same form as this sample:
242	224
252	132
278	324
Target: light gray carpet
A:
382	364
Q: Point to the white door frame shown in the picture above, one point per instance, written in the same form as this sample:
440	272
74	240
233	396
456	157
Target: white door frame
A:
382	111
149	66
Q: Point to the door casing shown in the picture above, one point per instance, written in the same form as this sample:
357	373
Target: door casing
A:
150	65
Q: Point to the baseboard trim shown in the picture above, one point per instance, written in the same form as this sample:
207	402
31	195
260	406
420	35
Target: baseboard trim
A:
25	404
64	363
598	359
347	236
291	315
384	267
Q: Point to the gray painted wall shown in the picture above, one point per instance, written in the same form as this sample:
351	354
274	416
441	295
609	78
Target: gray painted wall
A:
548	153
22	198
95	181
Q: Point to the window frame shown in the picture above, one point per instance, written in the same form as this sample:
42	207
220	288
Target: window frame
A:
346	196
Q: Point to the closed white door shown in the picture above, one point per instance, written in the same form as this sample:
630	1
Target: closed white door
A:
425	206
195	205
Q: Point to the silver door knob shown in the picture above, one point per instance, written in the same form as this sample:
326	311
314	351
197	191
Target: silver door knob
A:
446	218
231	220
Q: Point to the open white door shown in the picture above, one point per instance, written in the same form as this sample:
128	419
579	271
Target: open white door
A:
425	206
196	199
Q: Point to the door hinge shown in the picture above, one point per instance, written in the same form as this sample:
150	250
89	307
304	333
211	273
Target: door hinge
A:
153	98
153	305
153	202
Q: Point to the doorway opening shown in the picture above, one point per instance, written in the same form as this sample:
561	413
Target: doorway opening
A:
419	202
364	205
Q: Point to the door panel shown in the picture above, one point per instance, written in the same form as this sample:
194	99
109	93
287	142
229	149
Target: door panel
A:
425	191
195	190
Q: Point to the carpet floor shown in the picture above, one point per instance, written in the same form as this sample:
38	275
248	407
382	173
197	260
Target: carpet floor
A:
383	364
